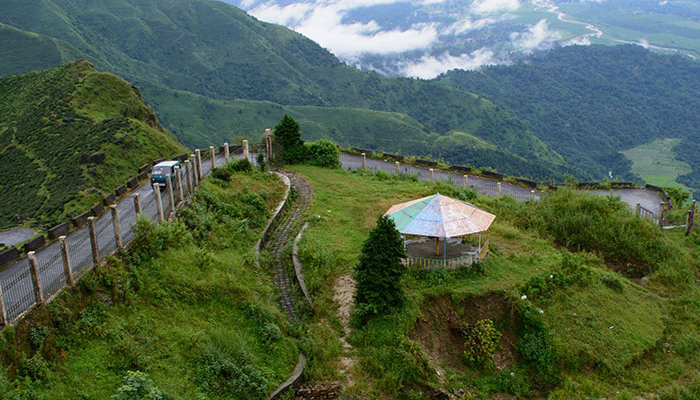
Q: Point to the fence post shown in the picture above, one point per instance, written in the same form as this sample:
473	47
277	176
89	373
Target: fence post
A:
171	196
117	227
246	151
268	145
159	202
212	155
3	309
690	221
198	156
532	195
195	182
398	168
226	153
178	177
364	161
498	189
638	209
93	241
662	215
66	261
36	280
187	176
137	203
432	175
466	181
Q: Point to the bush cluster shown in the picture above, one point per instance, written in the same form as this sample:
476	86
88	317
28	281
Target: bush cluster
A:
480	341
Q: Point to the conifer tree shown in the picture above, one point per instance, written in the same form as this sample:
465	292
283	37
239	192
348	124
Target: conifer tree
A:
288	132
378	274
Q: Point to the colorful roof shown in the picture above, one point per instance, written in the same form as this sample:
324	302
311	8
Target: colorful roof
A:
439	216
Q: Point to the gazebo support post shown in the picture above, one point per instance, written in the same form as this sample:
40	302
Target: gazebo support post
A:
437	246
444	249
479	242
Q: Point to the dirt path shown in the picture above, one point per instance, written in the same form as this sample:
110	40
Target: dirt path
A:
344	290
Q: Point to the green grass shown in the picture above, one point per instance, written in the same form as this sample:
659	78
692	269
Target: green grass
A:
603	327
656	163
190	308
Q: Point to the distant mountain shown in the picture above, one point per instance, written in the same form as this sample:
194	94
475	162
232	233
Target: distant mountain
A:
591	102
197	60
69	136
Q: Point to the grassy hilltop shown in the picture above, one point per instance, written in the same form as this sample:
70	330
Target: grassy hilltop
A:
69	136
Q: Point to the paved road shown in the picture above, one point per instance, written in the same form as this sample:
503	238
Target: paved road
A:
15	236
16	281
647	198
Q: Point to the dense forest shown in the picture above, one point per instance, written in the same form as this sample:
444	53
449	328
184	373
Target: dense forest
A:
590	102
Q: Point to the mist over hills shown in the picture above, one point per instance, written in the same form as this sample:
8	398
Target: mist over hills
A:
195	61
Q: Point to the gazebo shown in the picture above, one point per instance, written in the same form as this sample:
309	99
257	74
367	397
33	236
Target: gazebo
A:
457	227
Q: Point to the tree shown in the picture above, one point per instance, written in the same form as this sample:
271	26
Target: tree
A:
378	274
288	133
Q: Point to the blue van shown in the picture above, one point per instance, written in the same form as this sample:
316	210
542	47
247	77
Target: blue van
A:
162	170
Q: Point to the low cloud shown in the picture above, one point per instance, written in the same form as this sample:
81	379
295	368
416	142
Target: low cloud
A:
466	25
538	36
322	21
428	67
493	6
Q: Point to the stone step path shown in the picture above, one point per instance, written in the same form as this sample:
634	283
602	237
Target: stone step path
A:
283	234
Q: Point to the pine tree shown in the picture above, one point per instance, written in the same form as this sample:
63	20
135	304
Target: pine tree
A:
378	274
288	132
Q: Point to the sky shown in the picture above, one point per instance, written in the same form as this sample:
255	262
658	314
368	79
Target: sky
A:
420	38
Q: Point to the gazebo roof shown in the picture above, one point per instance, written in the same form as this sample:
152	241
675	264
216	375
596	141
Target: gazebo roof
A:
439	216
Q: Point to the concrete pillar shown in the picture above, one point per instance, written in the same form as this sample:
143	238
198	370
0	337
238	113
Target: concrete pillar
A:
198	169
67	270
195	182
137	203
178	179
532	195
36	279
498	189
117	227
690	221
246	151
364	161
3	309
171	195
190	189
662	215
226	152
466	181
159	202
93	241
638	209
432	175
398	168
268	145
212	155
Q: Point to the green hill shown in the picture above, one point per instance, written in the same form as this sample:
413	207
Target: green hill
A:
192	59
54	127
589	103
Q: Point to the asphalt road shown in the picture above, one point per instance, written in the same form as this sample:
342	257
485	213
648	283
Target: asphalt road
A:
14	236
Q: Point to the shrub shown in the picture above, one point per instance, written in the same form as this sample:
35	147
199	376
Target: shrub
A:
223	174
535	347
137	386
262	164
224	374
37	337
480	341
36	368
151	238
242	165
324	153
513	383
378	274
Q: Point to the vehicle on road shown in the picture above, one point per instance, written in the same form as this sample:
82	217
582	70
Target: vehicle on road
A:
164	170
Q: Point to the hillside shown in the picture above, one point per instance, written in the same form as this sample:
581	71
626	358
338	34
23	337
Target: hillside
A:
589	103
69	136
219	54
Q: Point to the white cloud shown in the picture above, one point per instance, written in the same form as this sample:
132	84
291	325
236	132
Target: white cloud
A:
537	36
322	21
493	6
466	25
430	66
